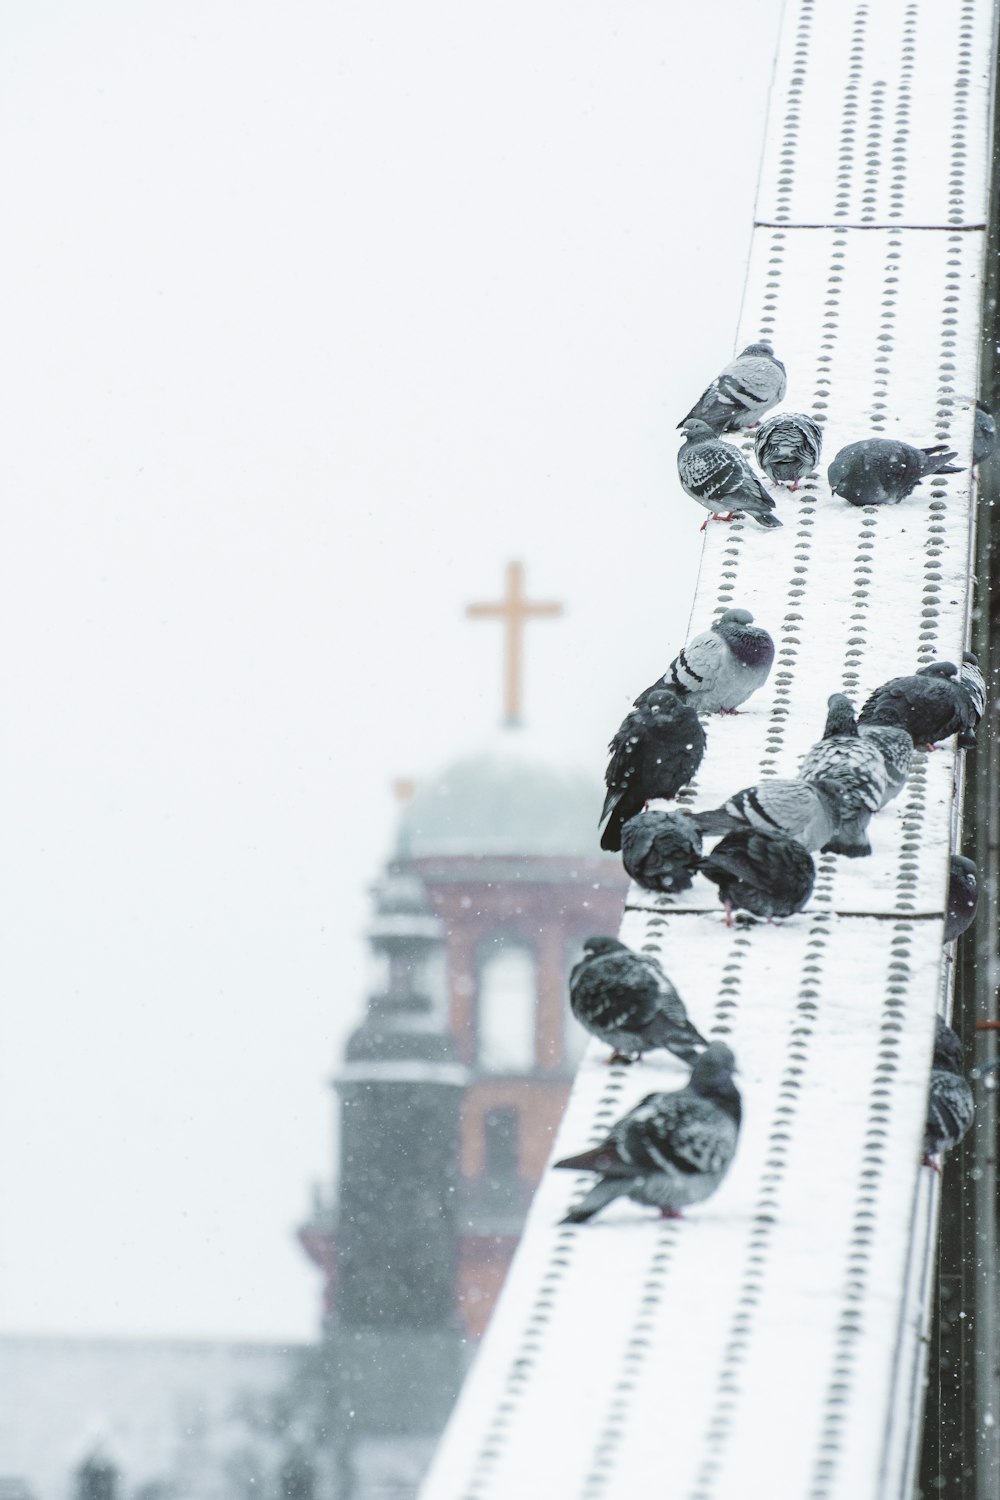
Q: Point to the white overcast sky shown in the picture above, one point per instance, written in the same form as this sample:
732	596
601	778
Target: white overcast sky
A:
314	315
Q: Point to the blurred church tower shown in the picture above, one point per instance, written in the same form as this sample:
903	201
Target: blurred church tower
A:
455	1081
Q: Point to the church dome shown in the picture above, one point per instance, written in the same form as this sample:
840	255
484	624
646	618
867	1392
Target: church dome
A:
503	800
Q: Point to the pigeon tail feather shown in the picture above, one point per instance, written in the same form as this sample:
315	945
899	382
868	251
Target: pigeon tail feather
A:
601	1193
602	1158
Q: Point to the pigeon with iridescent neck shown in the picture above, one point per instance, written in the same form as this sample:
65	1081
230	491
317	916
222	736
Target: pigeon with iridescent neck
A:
672	1150
749	386
718	476
720	668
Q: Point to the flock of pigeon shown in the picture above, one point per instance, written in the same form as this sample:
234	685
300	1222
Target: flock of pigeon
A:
675	1147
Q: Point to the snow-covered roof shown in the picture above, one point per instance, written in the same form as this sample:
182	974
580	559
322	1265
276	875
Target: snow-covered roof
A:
772	1344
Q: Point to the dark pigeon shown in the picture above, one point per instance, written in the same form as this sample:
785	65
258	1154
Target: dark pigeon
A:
896	749
984	433
661	850
673	1149
718	476
853	766
932	704
788	447
748	387
883	471
950	1105
963	897
806	811
720	668
626	1000
767	874
657	750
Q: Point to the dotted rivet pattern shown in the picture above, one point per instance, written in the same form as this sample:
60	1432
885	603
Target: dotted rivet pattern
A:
633	1355
617	1338
896	315
914	106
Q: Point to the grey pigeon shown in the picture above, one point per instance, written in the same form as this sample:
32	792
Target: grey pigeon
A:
883	471
673	1149
806	811
788	447
657	750
932	704
963	897
626	1000
661	850
854	767
767	874
748	387
972	680
984	433
718	476
950	1105
896	749
720	668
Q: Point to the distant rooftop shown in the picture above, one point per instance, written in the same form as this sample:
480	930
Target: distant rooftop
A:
510	798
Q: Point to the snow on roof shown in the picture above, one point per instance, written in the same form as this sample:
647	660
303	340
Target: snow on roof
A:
771	1343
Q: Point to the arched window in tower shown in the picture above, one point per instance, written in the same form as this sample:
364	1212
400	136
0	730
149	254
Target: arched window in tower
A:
507	1003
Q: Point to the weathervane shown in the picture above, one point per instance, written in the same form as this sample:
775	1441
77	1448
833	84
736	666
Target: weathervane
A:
513	609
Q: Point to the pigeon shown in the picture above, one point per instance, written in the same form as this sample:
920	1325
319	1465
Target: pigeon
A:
718	476
673	1149
767	874
896	749
883	471
974	683
657	750
626	1000
932	704
807	811
852	765
950	1105
788	447
972	679
748	387
661	850
984	433
963	896
721	667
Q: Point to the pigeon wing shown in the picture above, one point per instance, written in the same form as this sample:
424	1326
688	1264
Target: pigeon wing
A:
697	665
683	1133
617	993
